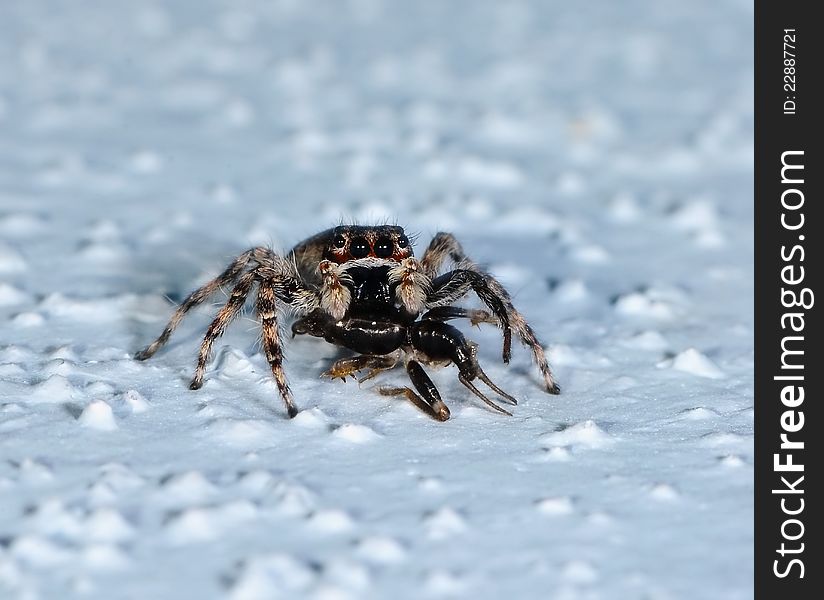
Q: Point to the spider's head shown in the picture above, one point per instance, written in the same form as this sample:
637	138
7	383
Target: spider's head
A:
352	242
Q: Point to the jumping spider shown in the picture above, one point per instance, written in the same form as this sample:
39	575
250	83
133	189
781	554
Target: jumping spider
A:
360	287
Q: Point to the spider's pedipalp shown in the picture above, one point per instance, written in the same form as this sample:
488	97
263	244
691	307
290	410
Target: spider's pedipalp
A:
413	285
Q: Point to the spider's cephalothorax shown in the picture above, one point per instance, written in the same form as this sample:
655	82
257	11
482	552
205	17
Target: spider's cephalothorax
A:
361	288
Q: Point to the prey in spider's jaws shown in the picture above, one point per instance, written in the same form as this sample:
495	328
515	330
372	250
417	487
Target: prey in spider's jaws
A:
360	287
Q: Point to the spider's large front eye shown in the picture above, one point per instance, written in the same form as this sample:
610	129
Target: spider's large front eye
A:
359	248
384	248
339	241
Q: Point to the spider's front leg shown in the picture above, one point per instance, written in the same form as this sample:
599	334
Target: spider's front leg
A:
272	346
279	282
445	247
229	276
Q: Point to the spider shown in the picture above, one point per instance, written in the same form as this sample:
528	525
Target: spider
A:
361	288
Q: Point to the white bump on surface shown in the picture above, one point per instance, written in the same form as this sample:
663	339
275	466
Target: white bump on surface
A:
579	571
12	372
242	433
444	523
105	557
698	413
269	576
556	454
186	488
698	215
256	483
590	254
34	471
28	319
640	305
54	389
58	366
191	526
11	295
51	518
431	484
313	418
21	225
440	582
650	340
664	492
108	525
586	434
98	415
330	521
134	401
559	505
381	549
694	362
11	261
233	364
573	290
732	461
39	552
357	434
624	208
348	574
291	499
146	162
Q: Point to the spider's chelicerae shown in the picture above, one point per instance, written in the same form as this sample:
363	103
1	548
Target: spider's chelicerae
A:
361	288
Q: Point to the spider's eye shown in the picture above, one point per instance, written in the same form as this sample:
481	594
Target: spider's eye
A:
403	242
339	241
384	248
359	248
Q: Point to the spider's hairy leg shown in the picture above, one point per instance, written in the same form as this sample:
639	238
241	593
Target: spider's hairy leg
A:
445	246
429	400
454	285
442	247
272	347
229	311
529	339
228	277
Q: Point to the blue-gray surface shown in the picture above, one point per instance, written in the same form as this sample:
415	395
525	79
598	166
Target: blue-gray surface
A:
596	156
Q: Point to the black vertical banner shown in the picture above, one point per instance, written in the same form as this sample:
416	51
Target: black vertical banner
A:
789	170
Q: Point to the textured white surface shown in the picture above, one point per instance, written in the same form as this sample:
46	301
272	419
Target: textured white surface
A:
597	157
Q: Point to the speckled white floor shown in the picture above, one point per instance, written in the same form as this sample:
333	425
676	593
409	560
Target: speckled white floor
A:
597	157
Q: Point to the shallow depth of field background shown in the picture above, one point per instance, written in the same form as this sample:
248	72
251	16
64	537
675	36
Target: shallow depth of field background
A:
596	156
